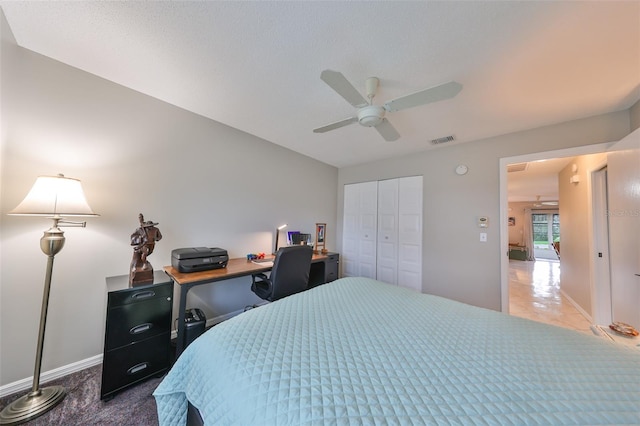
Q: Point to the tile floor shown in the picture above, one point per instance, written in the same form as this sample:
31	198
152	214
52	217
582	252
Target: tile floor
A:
534	293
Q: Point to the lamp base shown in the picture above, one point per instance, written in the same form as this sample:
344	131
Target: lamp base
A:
30	406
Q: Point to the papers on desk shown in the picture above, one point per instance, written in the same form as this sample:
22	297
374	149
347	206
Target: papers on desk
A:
263	262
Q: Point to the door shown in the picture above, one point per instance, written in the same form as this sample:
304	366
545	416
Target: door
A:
602	271
387	265
410	233
360	230
546	231
623	188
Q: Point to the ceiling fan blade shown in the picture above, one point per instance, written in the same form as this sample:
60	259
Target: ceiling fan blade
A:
426	96
341	85
336	125
388	132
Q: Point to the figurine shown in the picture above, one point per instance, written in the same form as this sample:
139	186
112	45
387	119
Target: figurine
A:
143	241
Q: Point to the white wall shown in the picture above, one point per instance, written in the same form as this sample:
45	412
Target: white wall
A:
455	263
205	183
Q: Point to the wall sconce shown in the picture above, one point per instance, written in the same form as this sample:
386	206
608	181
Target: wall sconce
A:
575	178
53	197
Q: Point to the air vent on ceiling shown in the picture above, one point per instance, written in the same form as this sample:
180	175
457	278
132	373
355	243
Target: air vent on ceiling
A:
516	167
443	139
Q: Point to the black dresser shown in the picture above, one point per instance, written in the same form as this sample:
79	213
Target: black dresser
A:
137	343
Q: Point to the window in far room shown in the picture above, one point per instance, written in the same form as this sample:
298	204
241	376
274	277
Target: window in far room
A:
546	230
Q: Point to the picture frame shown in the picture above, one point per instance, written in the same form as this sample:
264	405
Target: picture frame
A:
321	232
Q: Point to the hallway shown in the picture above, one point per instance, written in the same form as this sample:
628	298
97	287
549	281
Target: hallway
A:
534	293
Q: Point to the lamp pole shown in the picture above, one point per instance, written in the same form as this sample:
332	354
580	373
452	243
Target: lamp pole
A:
39	400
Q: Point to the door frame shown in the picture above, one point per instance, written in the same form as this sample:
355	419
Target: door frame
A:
601	271
504	202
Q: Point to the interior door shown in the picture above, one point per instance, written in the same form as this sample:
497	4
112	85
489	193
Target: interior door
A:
387	265
602	269
359	230
623	187
410	233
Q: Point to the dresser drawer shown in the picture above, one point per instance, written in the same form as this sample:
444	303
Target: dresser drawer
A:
130	364
331	272
135	322
333	257
140	294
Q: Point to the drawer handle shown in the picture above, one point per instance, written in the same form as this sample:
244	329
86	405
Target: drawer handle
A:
137	368
141	328
144	295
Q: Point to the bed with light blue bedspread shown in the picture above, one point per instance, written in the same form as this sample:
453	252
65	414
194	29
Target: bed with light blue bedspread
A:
357	351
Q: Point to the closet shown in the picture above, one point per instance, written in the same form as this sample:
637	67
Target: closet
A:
382	231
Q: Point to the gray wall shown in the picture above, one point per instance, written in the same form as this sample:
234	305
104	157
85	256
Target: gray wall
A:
455	263
205	183
634	112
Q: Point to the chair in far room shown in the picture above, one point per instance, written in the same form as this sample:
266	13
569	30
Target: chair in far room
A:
289	275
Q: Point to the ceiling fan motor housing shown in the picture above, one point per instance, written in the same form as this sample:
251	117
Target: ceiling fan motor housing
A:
370	115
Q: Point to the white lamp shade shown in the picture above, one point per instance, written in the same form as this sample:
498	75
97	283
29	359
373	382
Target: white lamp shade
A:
54	196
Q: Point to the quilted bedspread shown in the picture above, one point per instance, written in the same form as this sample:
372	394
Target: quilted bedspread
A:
357	351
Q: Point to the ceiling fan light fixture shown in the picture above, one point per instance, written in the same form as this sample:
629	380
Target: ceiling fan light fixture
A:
371	115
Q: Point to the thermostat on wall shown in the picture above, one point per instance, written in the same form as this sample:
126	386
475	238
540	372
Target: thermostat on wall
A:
483	222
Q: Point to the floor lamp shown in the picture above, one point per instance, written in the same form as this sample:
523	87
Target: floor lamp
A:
54	197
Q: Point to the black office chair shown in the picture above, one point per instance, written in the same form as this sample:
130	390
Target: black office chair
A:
289	275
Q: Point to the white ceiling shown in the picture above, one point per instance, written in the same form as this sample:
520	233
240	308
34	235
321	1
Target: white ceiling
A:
256	65
538	181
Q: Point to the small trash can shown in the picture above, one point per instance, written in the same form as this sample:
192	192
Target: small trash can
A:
194	325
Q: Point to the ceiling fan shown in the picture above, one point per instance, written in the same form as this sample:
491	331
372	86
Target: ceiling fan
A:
370	115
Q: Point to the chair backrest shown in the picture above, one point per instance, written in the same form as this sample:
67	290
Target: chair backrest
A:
290	272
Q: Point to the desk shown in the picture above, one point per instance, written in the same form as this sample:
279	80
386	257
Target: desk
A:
324	268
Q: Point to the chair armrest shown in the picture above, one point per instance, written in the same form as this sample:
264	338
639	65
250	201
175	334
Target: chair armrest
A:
260	275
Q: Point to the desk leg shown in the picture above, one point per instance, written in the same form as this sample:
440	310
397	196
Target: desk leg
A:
181	314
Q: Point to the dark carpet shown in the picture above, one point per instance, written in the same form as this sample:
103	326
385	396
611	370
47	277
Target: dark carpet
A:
82	405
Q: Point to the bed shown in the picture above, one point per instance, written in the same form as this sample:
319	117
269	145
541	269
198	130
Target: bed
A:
358	351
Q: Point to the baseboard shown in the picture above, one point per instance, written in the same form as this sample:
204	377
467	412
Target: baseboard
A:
578	307
47	376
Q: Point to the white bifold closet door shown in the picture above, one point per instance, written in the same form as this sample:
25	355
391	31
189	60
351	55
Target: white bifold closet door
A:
410	232
360	230
387	261
384	242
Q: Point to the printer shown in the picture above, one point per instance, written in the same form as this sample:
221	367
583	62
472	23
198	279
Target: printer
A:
194	259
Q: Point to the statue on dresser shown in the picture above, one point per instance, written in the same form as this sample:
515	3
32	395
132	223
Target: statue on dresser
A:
143	241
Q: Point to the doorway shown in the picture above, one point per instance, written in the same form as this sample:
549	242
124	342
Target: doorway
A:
546	232
504	204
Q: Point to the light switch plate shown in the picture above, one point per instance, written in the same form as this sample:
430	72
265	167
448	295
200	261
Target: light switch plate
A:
483	237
